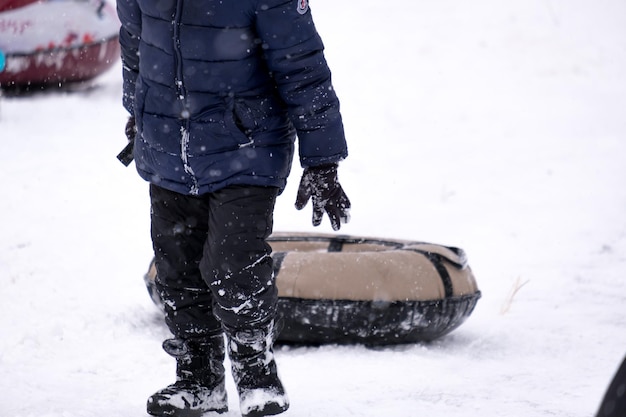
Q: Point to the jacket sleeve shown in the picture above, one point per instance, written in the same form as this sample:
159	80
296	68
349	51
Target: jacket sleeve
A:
130	33
294	53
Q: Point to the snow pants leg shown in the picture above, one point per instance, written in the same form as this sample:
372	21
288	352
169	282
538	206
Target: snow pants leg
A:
213	262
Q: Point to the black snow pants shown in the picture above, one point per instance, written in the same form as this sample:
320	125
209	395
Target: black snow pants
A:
213	262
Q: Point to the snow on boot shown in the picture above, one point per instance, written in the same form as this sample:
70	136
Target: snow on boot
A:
199	390
261	392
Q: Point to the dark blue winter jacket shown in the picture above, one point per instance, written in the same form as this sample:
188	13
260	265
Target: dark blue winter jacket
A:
219	89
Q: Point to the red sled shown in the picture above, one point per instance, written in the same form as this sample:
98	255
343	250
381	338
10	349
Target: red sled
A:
56	41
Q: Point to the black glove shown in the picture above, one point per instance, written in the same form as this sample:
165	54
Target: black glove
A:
321	185
131	129
126	156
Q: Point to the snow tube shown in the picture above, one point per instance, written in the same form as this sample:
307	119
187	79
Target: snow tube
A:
56	41
346	289
614	400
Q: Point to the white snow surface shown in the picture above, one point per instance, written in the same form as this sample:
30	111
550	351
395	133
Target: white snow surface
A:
498	127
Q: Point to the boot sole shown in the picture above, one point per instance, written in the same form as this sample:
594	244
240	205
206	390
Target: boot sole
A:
177	412
269	410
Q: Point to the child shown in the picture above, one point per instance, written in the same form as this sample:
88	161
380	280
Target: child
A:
217	91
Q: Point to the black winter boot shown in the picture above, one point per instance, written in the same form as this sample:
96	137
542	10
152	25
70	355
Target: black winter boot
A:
199	389
254	370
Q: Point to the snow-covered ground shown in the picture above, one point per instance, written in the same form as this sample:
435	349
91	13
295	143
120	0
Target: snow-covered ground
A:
499	127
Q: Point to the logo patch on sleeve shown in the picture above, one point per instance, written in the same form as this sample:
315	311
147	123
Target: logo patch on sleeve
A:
303	6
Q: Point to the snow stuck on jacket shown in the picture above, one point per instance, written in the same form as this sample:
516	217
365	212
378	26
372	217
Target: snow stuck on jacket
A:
497	127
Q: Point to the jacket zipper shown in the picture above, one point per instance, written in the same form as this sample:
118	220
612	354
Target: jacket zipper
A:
181	92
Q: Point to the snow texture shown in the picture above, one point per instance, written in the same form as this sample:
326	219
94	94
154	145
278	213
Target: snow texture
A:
498	127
